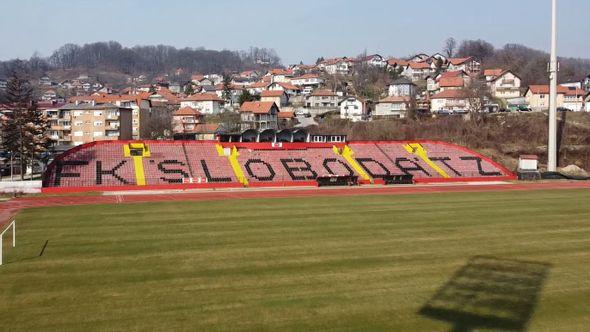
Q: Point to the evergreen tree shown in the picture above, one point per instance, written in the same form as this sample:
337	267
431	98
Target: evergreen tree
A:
24	129
246	96
226	94
188	90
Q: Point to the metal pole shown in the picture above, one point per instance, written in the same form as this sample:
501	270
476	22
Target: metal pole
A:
14	233
552	146
0	249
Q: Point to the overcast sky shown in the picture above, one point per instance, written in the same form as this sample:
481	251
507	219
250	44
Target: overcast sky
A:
298	30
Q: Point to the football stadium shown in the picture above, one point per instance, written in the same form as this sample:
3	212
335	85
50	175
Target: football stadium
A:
293	235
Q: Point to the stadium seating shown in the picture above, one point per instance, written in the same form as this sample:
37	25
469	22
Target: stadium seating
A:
291	165
117	164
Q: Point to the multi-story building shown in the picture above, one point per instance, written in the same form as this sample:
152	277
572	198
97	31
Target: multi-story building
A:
468	65
401	87
322	99
503	83
79	123
259	115
308	80
206	103
392	107
185	120
449	101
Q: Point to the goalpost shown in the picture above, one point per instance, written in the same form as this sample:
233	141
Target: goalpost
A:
13	225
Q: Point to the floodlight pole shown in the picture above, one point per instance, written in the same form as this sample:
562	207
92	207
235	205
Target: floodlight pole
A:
553	68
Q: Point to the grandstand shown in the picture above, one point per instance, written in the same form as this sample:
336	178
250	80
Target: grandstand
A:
116	165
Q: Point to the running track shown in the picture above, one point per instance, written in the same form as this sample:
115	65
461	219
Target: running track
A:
9	209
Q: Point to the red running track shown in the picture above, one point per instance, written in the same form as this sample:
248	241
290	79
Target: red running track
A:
9	209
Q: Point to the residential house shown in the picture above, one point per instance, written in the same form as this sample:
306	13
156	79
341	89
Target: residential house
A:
235	92
206	103
394	64
289	88
587	103
49	95
201	80
286	118
503	83
3	83
439	57
259	115
374	60
417	71
419	57
450	79
278	97
214	78
308	80
401	87
449	101
322	99
468	65
354	109
392	107
258	87
280	75
251	75
185	119
80	123
572	99
339	66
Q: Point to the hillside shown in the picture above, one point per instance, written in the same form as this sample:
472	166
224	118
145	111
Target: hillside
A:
503	137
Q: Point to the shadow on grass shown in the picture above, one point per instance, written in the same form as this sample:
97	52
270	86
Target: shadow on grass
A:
489	293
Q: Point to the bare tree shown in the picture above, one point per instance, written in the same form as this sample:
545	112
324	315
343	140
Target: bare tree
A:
450	47
478	95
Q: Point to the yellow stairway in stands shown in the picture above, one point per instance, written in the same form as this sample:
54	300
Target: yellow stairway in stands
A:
418	150
137	151
233	161
348	154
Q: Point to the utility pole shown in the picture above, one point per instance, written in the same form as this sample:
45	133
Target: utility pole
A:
553	68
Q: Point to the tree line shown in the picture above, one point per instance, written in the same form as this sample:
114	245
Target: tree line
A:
529	64
151	60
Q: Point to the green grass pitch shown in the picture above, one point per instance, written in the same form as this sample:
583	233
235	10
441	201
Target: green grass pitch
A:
468	261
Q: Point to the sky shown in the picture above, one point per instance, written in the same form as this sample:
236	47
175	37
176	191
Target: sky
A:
300	30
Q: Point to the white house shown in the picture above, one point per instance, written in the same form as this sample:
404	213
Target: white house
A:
468	65
393	107
419	57
308	80
449	100
201	80
340	66
503	83
374	60
401	87
205	103
258	87
354	109
574	99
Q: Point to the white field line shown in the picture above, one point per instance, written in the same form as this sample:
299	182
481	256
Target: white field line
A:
266	189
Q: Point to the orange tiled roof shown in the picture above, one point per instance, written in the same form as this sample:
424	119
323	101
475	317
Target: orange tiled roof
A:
257	107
